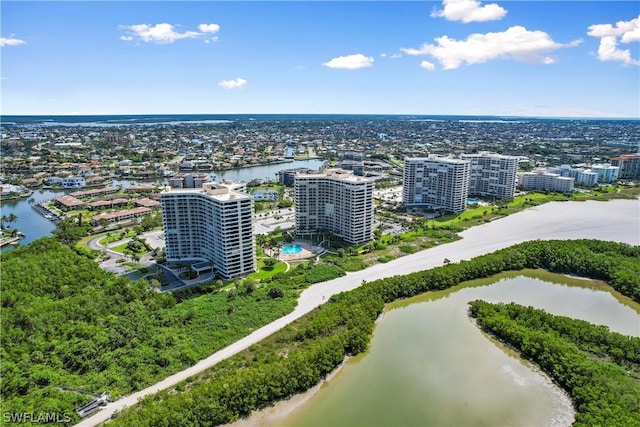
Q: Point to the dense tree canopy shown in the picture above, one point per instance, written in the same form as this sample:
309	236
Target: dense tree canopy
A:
66	323
600	369
299	355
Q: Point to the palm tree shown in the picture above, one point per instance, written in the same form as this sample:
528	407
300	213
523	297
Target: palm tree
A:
11	218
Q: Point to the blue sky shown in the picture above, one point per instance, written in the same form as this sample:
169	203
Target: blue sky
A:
535	58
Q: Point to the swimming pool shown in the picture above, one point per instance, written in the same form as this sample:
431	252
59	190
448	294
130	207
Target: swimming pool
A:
291	249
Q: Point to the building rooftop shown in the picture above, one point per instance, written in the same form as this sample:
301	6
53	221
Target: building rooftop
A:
434	157
69	201
339	174
222	192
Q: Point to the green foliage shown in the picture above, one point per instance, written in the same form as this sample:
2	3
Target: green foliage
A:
69	231
276	292
288	362
386	258
352	263
284	203
322	273
68	323
616	263
149	222
269	263
298	356
407	249
598	368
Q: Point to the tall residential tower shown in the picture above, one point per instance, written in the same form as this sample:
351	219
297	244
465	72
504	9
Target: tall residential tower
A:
492	175
436	183
212	224
336	201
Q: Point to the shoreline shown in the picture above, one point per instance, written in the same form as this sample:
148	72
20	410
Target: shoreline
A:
614	220
274	413
271	415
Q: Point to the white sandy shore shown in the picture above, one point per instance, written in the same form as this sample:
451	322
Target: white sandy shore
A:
616	220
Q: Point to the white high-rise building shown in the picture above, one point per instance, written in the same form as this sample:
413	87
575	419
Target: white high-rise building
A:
337	201
606	173
541	179
436	183
492	175
211	225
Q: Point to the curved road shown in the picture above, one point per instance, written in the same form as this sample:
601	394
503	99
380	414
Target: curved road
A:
616	220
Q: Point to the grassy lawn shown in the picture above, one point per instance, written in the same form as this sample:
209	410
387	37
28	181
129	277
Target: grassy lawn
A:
115	236
121	248
139	270
263	273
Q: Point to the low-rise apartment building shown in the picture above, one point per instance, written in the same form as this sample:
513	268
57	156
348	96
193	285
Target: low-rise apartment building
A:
582	176
543	180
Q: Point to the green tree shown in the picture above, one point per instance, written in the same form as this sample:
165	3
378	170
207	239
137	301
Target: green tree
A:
269	263
276	292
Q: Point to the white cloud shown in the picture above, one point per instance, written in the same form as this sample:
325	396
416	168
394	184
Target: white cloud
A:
11	41
626	31
233	84
516	43
209	28
396	56
166	33
350	62
469	11
427	65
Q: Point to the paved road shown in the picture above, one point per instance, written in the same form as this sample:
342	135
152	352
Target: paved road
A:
617	220
110	264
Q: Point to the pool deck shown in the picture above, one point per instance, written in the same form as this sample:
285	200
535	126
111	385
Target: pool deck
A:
307	251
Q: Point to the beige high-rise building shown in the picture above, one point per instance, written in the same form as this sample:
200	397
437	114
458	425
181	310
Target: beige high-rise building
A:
492	175
436	183
212	224
629	165
336	201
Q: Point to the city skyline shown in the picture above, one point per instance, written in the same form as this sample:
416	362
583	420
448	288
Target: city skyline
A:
463	57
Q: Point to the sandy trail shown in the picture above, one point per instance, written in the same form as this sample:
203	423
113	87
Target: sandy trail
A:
615	220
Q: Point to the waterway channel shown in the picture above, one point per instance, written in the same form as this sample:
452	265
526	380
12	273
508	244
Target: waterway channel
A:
429	365
36	226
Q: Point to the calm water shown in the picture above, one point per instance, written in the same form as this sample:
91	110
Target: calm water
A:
267	172
429	365
36	226
29	221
